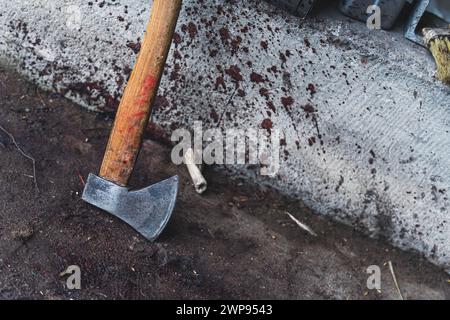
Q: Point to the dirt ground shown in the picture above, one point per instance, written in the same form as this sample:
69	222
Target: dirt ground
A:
233	242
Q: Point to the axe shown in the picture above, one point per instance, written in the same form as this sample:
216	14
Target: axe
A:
147	210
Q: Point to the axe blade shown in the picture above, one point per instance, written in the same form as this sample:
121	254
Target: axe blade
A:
146	210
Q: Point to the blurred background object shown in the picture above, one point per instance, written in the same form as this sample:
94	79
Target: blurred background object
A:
389	10
438	41
440	8
299	8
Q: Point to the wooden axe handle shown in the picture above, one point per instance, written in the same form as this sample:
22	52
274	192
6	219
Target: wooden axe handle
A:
136	104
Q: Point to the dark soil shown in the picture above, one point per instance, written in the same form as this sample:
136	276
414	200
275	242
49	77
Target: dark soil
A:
233	242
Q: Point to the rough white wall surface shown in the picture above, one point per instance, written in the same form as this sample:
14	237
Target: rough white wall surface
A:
365	124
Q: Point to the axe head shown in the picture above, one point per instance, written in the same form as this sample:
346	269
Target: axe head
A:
147	210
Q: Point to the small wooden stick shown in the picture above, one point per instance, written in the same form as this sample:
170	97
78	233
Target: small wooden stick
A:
391	269
23	153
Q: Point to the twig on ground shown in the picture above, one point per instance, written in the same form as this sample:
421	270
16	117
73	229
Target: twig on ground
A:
391	268
81	179
301	225
23	153
44	105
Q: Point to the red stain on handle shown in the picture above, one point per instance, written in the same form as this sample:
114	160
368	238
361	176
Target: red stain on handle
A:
142	101
139	114
135	120
149	82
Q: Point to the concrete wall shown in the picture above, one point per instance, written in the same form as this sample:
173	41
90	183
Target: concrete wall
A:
365	123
